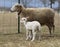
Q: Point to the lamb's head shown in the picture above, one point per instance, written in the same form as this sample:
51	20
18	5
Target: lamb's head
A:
17	7
23	20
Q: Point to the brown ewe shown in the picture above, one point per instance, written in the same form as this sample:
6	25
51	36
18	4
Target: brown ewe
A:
44	15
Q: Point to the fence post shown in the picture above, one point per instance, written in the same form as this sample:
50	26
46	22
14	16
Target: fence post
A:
18	20
19	1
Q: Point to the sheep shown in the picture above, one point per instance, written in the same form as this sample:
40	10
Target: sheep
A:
31	26
44	15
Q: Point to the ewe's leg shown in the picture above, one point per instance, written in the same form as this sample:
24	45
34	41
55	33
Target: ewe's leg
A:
50	28
27	35
53	25
34	34
53	28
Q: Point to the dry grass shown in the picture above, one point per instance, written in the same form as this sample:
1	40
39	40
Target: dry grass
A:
10	38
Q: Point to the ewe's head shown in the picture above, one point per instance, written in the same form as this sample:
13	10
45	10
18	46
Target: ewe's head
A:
16	8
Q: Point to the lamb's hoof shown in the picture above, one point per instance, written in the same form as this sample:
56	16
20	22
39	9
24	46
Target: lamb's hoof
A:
40	39
32	40
26	38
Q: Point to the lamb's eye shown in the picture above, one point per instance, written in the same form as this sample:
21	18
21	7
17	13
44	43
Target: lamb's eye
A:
24	19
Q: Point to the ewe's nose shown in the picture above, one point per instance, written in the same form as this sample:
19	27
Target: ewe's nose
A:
11	10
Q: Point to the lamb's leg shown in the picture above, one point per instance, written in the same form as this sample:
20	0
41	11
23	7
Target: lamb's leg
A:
39	34
27	35
30	34
34	34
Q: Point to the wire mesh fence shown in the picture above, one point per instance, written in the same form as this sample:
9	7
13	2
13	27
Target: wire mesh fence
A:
9	27
8	21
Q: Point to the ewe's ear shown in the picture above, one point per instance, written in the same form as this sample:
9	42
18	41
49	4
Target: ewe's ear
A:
19	6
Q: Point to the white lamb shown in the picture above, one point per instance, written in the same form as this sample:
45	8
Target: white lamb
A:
31	26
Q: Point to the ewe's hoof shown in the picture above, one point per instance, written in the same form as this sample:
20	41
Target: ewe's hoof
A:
51	35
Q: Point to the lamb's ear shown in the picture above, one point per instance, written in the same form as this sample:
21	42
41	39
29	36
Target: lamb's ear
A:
27	17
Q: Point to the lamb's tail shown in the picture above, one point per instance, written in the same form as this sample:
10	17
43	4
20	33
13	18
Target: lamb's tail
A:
39	27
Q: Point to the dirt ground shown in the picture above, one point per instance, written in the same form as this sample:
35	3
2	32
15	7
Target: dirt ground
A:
9	36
